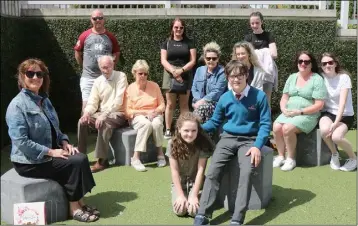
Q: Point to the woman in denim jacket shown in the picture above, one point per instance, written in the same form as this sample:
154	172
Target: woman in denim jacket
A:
39	149
209	83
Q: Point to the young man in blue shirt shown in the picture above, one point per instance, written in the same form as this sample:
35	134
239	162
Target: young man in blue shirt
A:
246	130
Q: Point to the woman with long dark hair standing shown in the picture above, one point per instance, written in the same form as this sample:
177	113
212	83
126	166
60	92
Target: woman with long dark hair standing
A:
178	57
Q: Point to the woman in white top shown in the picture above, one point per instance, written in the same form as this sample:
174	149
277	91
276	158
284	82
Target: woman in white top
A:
337	116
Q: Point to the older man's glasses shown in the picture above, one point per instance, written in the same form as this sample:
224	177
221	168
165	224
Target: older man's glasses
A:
31	74
97	18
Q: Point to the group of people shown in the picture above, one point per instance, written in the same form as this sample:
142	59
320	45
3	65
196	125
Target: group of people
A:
234	99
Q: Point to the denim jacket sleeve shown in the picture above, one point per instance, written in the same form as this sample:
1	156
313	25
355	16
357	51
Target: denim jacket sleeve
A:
18	132
219	87
194	88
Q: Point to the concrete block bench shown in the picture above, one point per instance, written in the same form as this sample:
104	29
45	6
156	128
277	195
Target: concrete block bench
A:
122	144
311	150
18	189
261	183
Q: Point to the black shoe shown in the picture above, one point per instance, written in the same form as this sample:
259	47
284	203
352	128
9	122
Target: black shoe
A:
167	134
201	220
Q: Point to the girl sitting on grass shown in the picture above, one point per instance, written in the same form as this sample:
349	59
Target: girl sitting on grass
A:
188	152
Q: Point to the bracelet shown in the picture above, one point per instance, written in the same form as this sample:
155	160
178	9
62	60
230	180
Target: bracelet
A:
183	69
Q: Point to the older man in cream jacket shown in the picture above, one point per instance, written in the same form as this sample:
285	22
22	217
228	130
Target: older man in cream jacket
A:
104	110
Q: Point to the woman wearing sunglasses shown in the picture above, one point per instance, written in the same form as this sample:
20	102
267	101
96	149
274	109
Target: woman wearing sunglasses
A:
144	109
302	99
338	113
209	83
39	148
178	57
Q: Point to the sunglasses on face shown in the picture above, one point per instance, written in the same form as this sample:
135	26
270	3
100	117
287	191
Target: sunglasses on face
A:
331	62
97	18
142	73
178	28
211	58
31	74
306	62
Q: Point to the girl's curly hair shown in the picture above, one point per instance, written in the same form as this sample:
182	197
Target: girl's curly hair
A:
183	150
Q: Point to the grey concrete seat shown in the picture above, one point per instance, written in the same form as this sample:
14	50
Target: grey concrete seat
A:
311	150
18	189
261	192
122	145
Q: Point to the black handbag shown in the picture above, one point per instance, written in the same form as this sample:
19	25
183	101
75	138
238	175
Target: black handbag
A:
178	87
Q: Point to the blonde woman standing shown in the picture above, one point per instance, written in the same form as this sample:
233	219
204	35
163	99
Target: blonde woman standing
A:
244	51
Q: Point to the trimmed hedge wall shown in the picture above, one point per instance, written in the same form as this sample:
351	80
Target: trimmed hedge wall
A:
52	40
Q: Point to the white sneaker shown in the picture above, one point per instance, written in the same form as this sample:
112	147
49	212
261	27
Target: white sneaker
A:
278	161
137	164
334	163
350	165
161	161
289	165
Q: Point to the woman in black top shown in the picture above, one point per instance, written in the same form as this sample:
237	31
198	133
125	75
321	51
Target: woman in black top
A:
261	39
178	56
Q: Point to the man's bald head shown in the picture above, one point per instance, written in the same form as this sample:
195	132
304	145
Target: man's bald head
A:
97	20
97	13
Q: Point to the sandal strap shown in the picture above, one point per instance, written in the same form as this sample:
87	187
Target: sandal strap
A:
89	208
84	216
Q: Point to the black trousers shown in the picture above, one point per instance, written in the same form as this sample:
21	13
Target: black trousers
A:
73	174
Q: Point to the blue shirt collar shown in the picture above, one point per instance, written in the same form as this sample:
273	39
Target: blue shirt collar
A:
34	96
209	74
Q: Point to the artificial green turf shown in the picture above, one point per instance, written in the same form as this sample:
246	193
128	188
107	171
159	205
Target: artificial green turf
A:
306	196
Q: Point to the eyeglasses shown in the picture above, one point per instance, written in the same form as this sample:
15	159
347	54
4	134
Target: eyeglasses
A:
142	73
331	62
97	18
211	58
306	62
178	28
31	74
238	76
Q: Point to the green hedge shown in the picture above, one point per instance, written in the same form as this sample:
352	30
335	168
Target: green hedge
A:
53	39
